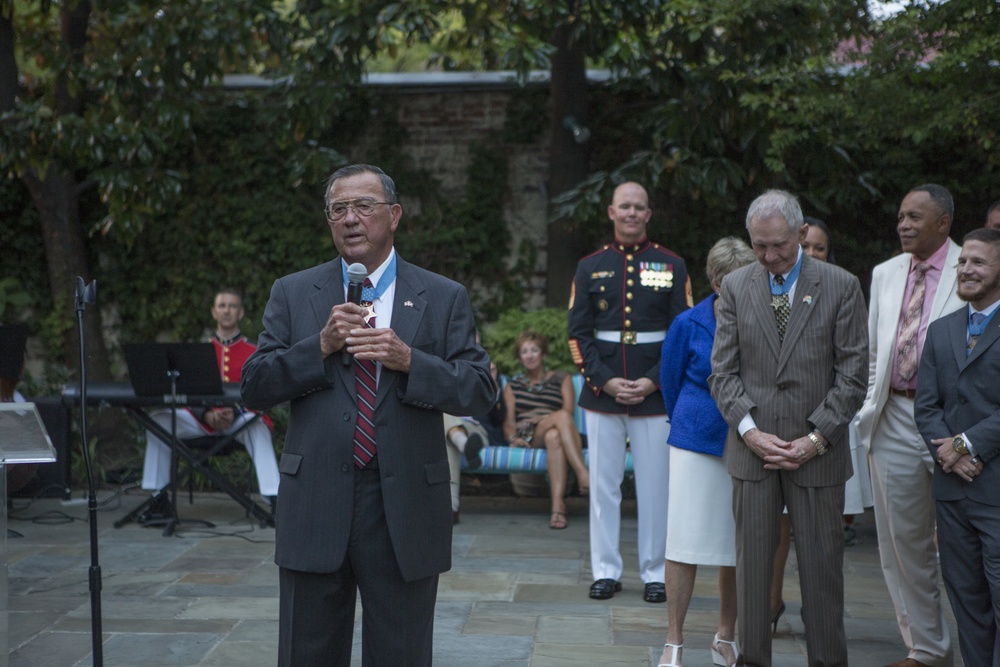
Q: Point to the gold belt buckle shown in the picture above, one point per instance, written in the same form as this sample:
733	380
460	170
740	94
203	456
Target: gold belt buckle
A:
628	338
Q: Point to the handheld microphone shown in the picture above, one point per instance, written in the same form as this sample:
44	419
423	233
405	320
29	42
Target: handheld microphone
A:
356	276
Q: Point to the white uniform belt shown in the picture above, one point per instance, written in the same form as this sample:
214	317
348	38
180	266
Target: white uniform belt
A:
631	337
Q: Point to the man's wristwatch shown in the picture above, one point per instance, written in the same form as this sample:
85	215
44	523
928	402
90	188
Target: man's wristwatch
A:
958	443
816	440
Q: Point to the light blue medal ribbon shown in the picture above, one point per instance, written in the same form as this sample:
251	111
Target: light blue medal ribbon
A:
784	288
370	294
977	328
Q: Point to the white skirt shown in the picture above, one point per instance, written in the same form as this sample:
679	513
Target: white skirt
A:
700	525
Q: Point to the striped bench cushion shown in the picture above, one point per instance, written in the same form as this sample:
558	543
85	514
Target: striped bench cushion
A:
505	460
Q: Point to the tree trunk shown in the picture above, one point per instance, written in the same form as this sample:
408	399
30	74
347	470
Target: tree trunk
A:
8	65
57	199
568	162
57	202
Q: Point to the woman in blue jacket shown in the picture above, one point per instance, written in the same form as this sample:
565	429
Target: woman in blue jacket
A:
700	527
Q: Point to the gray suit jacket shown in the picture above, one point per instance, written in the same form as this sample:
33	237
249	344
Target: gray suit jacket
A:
449	373
815	378
956	395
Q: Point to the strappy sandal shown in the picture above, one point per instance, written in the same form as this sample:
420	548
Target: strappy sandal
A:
558	521
717	657
674	656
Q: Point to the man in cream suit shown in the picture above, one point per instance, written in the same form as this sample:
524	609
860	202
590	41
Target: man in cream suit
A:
364	500
788	374
958	412
903	304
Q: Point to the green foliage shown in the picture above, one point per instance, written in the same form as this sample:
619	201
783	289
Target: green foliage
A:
919	103
115	99
239	224
14	299
23	293
499	338
526	117
713	103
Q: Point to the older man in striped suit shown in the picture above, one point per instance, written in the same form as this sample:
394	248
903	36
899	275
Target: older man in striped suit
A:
789	369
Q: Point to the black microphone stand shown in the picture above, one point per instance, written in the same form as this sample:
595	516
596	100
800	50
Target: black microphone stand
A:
88	294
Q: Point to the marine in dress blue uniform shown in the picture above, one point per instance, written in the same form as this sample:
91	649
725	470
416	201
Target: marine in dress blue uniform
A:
623	300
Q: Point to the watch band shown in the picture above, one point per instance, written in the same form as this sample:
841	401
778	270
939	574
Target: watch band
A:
820	447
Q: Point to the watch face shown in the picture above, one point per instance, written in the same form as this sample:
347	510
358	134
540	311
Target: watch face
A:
959	444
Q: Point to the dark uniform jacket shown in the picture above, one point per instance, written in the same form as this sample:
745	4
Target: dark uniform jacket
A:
631	289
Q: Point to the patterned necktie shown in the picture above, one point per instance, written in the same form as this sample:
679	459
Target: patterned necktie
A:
977	326
782	308
365	382
906	346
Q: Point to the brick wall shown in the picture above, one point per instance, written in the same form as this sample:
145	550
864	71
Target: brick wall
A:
442	123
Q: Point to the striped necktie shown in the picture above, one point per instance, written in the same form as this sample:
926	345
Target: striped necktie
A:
906	351
366	385
782	308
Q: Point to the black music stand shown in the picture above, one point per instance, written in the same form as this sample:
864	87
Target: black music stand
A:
172	371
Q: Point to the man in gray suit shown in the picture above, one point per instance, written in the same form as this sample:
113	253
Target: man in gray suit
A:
789	365
363	500
957	410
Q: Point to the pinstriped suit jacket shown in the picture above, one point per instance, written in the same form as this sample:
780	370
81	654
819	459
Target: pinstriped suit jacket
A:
449	372
815	378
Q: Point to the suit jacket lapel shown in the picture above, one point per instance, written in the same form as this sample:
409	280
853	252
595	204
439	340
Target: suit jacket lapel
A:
760	301
407	310
807	290
896	289
948	281
330	292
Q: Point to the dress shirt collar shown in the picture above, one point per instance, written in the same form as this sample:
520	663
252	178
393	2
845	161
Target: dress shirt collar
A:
376	276
987	311
792	274
935	261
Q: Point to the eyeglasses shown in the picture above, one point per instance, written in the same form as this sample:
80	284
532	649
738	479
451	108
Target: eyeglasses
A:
337	210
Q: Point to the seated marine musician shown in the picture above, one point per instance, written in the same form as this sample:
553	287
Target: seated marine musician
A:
232	349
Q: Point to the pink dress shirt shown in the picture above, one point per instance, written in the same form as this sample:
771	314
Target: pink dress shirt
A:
932	279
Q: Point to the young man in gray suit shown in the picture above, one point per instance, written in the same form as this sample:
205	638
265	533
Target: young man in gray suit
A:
789	366
364	492
958	412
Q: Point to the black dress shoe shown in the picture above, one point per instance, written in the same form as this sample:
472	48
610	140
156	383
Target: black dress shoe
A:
159	510
655	592
472	448
604	589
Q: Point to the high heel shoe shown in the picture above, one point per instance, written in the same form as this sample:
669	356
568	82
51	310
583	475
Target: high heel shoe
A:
774	621
717	657
674	655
